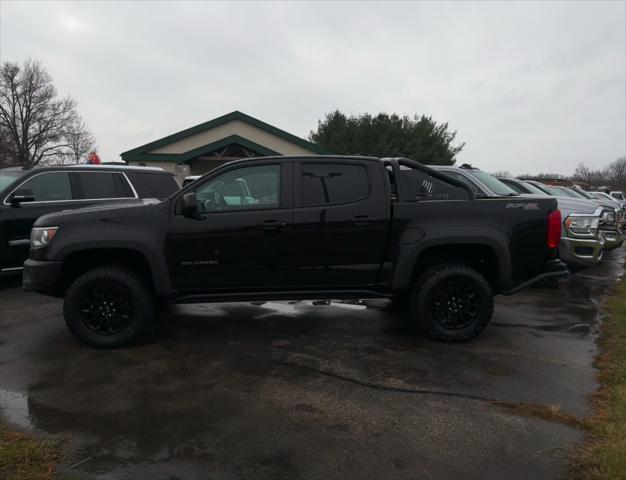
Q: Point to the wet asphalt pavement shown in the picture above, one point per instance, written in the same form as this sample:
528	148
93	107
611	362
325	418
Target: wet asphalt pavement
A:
296	390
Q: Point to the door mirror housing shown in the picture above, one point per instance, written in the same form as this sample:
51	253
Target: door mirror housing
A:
22	195
189	206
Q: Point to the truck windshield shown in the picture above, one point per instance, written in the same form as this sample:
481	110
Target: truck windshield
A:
495	185
532	189
7	177
575	193
568	193
555	192
583	194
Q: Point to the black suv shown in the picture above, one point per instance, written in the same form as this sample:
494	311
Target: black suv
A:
27	194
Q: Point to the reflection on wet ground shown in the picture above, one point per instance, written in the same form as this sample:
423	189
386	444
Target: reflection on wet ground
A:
308	389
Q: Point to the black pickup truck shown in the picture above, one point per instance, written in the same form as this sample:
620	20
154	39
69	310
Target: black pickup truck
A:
297	227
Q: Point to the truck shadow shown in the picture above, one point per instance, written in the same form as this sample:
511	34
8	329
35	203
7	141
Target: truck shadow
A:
10	281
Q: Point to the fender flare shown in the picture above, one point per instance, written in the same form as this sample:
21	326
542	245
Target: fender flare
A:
409	253
153	256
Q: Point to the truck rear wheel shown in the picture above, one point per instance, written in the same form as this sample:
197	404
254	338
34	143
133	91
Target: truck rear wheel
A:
452	303
108	307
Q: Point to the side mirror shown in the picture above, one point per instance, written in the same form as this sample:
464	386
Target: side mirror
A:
189	206
22	195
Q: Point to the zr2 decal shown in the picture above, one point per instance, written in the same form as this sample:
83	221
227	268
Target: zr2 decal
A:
525	206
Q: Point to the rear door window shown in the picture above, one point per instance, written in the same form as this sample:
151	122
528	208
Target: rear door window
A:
158	185
332	183
416	184
104	185
461	178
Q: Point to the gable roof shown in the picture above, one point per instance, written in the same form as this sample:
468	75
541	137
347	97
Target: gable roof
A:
137	154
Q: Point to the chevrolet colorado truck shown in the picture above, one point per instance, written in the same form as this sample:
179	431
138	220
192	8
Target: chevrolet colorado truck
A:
278	228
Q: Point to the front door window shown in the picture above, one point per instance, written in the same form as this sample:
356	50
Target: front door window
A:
48	187
245	188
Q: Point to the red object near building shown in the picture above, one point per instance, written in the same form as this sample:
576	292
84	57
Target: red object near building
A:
93	159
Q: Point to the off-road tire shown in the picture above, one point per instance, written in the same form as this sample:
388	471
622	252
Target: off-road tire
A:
139	306
426	303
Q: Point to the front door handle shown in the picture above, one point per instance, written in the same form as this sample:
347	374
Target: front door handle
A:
272	224
362	220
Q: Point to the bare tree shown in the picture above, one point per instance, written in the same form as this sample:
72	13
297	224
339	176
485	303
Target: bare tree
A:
6	158
36	124
503	174
616	173
80	142
584	175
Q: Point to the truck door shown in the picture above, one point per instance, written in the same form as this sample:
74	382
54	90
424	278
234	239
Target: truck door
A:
237	238
340	223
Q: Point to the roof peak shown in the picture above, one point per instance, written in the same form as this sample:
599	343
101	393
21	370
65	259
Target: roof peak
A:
221	120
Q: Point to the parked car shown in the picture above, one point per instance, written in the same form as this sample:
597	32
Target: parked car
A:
482	183
609	226
314	227
605	197
618	195
615	204
27	194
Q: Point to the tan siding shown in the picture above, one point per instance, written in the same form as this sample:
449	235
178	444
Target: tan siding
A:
168	166
236	127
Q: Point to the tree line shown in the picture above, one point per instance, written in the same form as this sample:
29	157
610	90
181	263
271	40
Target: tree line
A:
613	176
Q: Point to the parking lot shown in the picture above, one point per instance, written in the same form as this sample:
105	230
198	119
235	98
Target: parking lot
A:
297	390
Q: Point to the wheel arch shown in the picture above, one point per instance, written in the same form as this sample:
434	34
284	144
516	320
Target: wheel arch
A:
483	254
78	261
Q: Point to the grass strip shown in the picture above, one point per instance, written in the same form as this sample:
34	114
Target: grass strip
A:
24	456
603	454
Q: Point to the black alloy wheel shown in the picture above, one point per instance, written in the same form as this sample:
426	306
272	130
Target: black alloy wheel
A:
109	307
456	303
451	302
105	310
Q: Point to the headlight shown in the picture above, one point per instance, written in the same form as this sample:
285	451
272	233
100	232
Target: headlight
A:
40	236
581	224
608	218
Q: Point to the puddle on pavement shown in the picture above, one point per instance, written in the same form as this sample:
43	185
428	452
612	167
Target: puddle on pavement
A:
286	308
14	409
576	305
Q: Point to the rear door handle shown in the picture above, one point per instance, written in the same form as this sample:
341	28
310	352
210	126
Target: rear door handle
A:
362	220
272	224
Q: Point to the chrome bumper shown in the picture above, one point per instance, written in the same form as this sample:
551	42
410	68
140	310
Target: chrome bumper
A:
612	239
581	252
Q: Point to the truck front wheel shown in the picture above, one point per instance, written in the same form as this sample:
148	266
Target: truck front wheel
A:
108	307
452	303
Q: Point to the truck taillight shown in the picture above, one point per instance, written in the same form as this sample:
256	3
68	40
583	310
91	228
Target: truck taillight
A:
554	228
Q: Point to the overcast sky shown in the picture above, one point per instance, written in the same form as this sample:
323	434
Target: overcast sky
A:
529	86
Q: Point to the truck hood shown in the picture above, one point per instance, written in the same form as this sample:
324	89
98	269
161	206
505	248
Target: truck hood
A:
96	212
608	203
569	205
